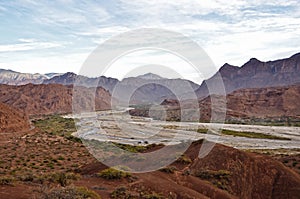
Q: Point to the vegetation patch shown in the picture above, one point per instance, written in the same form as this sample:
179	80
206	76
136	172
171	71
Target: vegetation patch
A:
170	169
57	125
184	159
68	192
170	127
6	180
252	135
120	193
136	148
219	178
152	195
113	174
244	134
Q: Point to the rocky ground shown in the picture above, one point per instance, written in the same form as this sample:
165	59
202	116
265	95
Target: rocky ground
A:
48	162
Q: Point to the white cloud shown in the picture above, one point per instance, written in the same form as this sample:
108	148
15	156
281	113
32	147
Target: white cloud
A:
28	45
26	40
230	31
47	64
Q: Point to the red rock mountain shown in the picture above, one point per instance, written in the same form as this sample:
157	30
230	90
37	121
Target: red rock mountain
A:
265	102
52	99
12	120
275	103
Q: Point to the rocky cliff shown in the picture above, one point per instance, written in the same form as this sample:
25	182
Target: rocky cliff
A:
53	98
255	74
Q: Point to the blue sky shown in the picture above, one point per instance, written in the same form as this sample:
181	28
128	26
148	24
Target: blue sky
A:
58	35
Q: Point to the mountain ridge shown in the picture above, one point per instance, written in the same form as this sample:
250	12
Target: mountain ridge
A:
253	74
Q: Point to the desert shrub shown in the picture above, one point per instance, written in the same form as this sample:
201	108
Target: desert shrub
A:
208	174
6	180
67	193
119	193
170	169
27	177
218	178
62	178
152	195
184	159
112	173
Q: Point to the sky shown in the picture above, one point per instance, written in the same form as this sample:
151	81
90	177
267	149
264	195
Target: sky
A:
59	35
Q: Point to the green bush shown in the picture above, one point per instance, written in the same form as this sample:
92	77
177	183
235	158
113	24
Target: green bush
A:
184	159
219	178
112	173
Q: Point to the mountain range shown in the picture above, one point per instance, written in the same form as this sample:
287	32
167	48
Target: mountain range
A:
253	74
150	88
155	88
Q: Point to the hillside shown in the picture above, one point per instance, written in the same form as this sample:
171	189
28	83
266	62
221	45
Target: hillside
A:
51	99
224	173
66	169
12	121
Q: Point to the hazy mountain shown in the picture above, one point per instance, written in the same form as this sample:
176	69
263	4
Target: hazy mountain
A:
15	78
148	88
70	78
150	76
51	75
255	74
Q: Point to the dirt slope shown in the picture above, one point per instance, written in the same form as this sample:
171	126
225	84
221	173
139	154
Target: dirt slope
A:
224	173
12	120
251	175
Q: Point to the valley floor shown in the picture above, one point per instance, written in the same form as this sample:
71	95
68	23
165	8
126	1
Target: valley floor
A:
118	126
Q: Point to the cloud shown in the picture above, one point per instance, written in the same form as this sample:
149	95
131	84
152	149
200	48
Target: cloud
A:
28	44
46	64
230	31
24	40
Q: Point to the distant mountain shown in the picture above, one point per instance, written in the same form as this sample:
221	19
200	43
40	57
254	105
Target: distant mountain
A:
15	78
51	75
255	74
148	88
70	78
151	88
150	76
53	98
